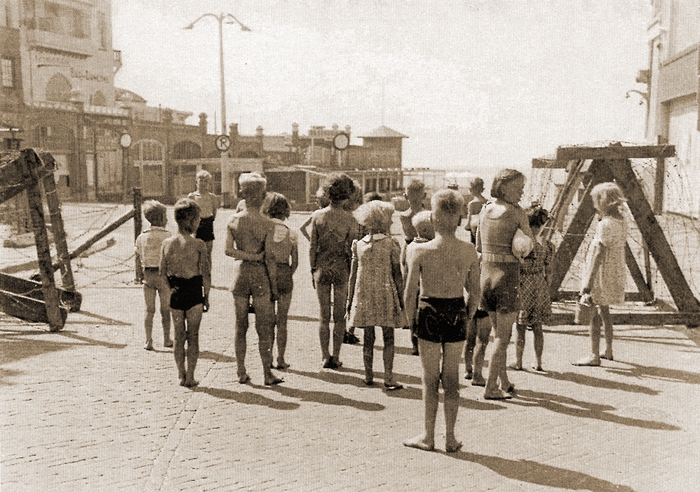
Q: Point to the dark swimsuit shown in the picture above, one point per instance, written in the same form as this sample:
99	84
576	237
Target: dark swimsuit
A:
186	292
441	320
205	231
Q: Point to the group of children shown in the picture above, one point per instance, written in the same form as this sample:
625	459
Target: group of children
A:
364	278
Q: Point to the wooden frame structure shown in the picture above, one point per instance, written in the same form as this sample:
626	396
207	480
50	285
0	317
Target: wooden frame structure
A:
587	167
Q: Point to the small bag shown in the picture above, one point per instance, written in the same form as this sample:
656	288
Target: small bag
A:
522	244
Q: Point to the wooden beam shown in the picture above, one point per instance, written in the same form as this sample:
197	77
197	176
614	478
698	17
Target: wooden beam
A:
33	289
691	319
15	175
28	308
564	198
616	152
654	236
573	295
547	163
637	275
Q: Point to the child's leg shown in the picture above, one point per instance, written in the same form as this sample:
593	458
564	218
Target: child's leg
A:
340	298
149	296
368	353
519	346
388	332
608	330
469	348
179	348
164	300
264	325
538	335
452	353
430	357
283	304
483	332
323	292
503	326
594	331
193	318
240	306
210	246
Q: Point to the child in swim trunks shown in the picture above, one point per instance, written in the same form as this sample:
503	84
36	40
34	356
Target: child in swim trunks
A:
286	254
148	247
333	230
422	223
185	262
208	204
441	270
249	242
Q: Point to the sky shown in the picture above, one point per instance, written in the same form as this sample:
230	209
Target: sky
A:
472	83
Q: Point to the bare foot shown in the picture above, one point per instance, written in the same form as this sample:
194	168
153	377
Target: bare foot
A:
419	442
516	366
478	380
282	365
453	447
591	360
191	383
497	395
469	374
168	343
148	346
182	381
538	368
607	356
273	381
244	379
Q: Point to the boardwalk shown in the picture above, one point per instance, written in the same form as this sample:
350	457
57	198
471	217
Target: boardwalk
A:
89	409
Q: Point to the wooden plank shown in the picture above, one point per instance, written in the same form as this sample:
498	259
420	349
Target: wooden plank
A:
138	225
33	289
546	163
27	308
616	152
573	295
36	211
15	176
563	201
691	319
654	236
659	184
637	275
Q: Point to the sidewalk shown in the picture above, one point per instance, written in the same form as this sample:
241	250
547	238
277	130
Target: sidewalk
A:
88	409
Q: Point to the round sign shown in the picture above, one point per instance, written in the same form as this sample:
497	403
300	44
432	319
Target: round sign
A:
223	143
341	141
125	140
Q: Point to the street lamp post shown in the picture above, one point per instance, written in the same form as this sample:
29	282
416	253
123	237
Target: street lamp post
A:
230	19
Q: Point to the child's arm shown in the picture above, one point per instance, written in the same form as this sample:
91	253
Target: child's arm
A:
271	263
215	204
205	269
396	270
353	277
163	269
237	254
303	227
313	244
412	286
294	254
596	260
473	287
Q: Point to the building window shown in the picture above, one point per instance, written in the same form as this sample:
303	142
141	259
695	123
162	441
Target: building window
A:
7	73
60	19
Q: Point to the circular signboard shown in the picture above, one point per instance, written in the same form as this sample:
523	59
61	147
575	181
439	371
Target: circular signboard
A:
223	143
341	141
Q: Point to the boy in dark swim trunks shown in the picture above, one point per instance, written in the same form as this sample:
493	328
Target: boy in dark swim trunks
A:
441	269
208	204
185	262
249	241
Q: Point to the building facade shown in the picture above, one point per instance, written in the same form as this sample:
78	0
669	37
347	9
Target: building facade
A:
672	96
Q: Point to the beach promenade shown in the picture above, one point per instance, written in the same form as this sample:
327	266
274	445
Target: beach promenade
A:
88	408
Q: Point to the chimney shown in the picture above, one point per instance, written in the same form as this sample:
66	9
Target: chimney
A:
203	123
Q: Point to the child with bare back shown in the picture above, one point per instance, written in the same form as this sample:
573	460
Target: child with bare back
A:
249	242
441	270
208	204
148	247
333	230
185	262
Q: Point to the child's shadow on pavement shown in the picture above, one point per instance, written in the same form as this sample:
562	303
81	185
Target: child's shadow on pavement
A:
540	474
247	398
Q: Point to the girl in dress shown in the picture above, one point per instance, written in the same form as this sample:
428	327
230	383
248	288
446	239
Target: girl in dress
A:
375	287
535	303
604	280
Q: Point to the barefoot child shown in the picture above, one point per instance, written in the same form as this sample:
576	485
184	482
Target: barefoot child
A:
148	247
185	262
423	224
441	270
286	254
476	189
535	304
376	286
333	230
249	242
208	204
603	284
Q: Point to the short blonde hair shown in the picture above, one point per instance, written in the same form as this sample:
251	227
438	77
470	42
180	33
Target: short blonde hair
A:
203	174
607	197
375	216
155	213
423	223
449	202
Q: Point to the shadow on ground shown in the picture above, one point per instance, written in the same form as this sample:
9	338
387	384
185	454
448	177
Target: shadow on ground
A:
247	398
539	474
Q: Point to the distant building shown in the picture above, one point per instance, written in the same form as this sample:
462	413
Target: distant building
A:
672	95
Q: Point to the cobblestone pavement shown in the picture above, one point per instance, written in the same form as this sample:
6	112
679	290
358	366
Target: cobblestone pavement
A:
88	409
